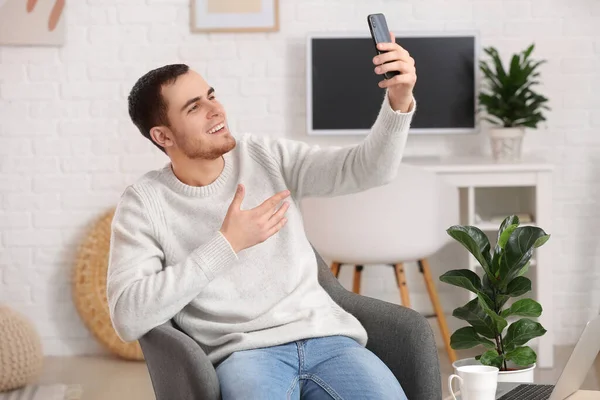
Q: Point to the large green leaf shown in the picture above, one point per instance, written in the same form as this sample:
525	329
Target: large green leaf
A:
492	358
518	251
474	240
524	270
499	322
464	278
467	338
474	315
523	308
488	289
522	332
506	229
523	356
518	286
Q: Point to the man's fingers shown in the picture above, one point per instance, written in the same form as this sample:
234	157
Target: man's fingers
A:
407	79
270	204
59	5
238	197
276	228
397	53
30	5
280	213
402	66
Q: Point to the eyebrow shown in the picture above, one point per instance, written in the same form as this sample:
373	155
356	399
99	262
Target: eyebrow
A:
195	99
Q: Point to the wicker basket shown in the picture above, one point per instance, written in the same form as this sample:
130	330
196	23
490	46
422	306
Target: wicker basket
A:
89	289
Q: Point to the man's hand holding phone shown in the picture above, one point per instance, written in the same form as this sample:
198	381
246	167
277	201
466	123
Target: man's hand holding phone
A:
247	228
400	87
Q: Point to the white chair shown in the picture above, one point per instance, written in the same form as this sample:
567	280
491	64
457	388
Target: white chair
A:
400	222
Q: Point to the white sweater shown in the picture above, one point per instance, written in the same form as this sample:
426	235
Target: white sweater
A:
169	261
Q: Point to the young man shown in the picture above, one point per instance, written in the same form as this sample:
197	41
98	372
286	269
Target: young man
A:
214	240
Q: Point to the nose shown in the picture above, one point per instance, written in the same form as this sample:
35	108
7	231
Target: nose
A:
214	112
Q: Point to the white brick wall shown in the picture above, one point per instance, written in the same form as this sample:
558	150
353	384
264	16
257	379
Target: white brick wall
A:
67	148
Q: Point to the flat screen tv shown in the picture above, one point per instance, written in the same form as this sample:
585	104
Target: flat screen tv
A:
343	97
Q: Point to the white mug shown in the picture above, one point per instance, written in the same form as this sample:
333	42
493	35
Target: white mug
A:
477	382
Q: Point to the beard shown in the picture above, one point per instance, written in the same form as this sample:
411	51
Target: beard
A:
206	148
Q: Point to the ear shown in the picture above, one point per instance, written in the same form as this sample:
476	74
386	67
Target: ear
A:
162	136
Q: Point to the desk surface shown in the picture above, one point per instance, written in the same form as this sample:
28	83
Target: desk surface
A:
585	395
479	164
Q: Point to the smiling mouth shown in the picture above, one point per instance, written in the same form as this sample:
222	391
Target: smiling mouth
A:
217	129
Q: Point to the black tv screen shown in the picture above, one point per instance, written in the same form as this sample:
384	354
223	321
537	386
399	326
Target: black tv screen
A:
344	98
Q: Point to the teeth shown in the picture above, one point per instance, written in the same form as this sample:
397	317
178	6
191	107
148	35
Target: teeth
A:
216	128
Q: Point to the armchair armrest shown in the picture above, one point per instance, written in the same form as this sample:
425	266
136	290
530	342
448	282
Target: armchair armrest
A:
178	367
399	336
403	339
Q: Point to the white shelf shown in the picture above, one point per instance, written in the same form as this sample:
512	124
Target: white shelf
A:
488	226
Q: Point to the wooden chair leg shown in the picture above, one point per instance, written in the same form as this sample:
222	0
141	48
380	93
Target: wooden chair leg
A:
356	283
435	301
401	280
335	269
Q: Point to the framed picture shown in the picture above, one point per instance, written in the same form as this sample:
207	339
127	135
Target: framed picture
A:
32	22
234	15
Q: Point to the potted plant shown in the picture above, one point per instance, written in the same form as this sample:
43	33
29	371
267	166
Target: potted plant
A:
510	101
488	315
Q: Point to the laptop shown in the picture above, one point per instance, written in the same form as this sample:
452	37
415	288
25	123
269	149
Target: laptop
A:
571	377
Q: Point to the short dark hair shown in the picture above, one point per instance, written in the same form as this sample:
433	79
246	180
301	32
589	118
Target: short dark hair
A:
147	107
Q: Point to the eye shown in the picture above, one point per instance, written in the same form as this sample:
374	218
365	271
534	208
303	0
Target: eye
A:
193	108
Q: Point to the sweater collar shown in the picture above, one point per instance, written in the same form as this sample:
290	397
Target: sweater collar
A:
199	191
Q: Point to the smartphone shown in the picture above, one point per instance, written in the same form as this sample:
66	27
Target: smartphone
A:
380	34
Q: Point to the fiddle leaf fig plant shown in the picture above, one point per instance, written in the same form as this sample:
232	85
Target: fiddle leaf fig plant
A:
503	278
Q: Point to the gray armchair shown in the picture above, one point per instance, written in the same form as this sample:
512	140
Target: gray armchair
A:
399	336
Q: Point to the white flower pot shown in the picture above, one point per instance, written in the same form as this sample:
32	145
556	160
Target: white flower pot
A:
507	143
519	374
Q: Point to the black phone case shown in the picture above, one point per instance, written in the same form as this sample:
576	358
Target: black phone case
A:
380	34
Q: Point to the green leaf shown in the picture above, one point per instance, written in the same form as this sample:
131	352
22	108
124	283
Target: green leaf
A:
524	270
541	241
518	251
507	227
499	322
466	338
522	332
464	278
523	356
474	315
528	51
523	308
518	286
474	240
487	287
499	253
492	358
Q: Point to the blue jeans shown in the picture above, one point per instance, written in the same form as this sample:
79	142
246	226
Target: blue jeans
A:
335	367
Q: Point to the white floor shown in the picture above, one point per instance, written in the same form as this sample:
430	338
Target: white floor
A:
109	378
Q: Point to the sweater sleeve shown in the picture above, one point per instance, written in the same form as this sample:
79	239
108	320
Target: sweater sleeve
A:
142	292
310	170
